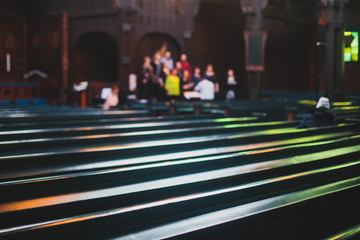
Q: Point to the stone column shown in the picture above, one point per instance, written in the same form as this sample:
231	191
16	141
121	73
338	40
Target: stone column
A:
253	10
25	34
65	57
127	17
188	10
334	49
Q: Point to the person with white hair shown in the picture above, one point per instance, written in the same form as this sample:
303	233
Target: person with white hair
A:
320	116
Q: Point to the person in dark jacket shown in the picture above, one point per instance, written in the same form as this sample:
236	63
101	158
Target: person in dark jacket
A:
320	116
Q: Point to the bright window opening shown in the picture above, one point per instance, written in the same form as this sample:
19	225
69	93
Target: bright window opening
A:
351	51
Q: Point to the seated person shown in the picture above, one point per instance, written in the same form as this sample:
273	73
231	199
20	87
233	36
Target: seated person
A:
319	116
206	89
112	99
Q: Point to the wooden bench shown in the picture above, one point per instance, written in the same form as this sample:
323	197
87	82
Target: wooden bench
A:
228	179
70	115
141	200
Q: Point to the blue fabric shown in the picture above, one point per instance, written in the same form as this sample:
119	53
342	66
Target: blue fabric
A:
318	118
20	84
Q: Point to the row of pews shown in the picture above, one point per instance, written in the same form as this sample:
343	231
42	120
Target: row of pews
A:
143	173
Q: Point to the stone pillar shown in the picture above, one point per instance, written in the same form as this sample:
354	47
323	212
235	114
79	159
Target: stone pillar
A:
65	57
25	34
188	9
253	10
127	18
334	49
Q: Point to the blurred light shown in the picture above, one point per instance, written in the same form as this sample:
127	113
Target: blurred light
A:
342	104
347	108
347	234
307	102
222	120
351	51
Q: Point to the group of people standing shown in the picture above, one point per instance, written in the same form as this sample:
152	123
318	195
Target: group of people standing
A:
163	79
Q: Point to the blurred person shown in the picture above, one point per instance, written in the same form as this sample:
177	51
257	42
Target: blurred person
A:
167	58
156	64
172	85
180	70
112	100
206	89
196	77
210	75
187	83
319	116
147	76
185	65
165	71
232	86
162	50
158	81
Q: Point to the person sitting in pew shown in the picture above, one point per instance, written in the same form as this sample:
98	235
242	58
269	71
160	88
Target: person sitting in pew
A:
320	116
112	99
206	89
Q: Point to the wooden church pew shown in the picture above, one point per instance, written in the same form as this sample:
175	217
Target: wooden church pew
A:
179	197
127	126
138	142
251	180
71	115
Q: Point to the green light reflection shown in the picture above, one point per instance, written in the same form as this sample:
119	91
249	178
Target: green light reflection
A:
348	234
347	108
186	157
342	104
129	125
220	120
253	124
223	215
307	102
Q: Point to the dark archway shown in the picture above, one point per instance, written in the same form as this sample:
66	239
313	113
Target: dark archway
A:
95	58
153	42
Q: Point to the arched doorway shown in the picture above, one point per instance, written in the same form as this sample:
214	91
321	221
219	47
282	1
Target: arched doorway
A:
151	43
95	58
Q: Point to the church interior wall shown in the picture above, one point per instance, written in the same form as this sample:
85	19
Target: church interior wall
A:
34	39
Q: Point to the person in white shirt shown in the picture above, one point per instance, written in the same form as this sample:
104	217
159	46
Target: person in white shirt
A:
112	99
206	89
